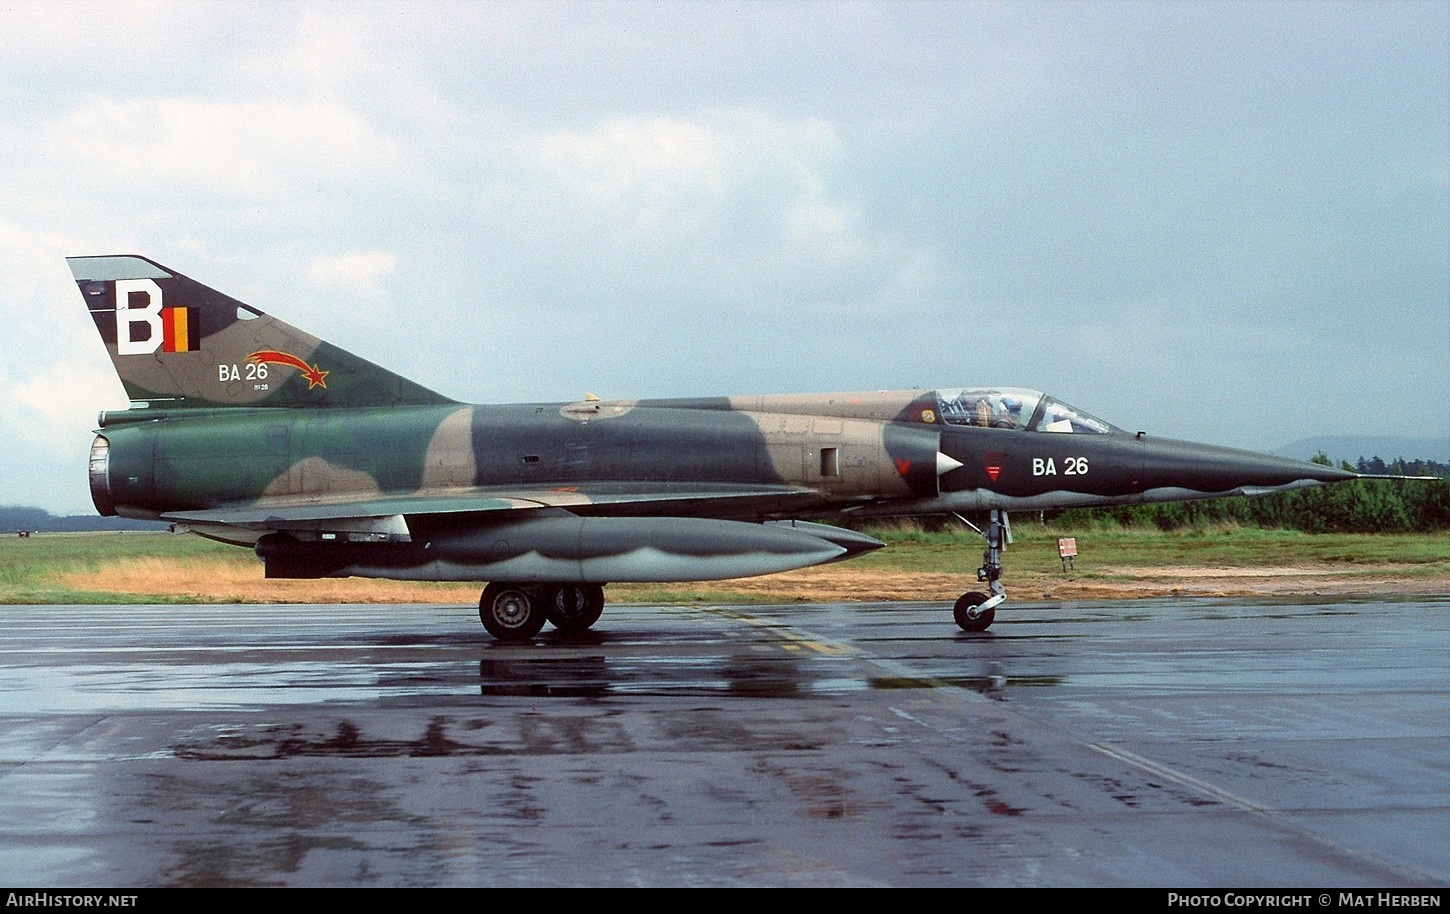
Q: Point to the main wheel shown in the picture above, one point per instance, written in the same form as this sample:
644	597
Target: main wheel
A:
574	607
967	616
511	612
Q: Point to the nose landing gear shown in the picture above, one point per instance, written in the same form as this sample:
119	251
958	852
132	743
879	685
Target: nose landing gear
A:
975	611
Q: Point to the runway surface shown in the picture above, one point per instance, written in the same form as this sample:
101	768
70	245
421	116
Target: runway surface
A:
1208	743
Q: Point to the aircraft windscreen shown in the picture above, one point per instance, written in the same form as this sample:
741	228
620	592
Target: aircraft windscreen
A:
1057	416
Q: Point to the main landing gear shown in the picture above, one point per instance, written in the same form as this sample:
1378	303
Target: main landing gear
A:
975	611
517	612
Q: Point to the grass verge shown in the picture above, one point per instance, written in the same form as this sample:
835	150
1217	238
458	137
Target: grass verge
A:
916	565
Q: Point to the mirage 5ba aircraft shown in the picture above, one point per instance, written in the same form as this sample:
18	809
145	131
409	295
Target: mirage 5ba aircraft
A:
246	430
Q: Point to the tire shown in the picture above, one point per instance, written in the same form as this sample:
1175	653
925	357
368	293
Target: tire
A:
968	621
511	612
573	607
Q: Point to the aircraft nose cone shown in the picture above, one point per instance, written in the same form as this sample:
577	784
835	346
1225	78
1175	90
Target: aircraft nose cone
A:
1209	468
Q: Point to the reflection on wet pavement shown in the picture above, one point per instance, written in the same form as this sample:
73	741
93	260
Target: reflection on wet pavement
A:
815	745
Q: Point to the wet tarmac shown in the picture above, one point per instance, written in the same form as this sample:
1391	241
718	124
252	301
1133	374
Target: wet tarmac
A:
1212	743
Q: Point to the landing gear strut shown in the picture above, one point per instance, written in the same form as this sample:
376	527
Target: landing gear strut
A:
973	611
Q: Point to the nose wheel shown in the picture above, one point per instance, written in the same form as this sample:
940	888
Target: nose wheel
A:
975	611
970	614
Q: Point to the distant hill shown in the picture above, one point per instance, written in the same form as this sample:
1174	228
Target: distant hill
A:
14	519
1352	447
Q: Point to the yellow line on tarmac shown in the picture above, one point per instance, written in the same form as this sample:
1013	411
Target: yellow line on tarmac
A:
792	641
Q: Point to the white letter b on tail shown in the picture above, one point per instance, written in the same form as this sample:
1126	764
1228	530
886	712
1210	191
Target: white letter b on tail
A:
138	301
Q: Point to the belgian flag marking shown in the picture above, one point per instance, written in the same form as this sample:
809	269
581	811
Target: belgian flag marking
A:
180	330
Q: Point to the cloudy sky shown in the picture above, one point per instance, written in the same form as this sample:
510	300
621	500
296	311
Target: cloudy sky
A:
1228	222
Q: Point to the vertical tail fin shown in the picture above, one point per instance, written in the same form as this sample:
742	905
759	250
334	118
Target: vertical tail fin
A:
176	343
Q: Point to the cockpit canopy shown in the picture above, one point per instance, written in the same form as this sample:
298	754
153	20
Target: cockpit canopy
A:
1017	408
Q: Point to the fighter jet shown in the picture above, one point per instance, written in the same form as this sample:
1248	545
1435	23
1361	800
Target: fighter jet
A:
246	430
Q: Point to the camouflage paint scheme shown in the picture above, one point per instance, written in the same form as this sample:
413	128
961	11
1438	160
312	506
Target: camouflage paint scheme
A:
247	430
